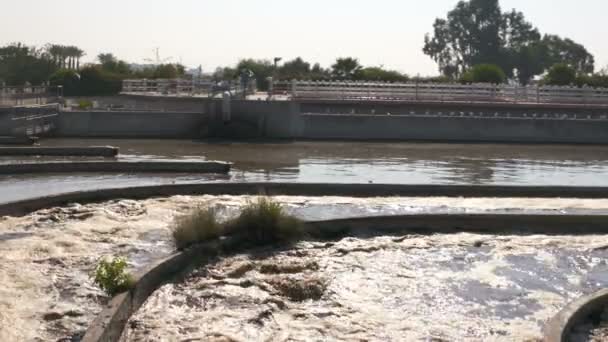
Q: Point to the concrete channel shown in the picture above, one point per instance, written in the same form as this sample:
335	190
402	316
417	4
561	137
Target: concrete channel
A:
24	207
116	166
110	323
93	151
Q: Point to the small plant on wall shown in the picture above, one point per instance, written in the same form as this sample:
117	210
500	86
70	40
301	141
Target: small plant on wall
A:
112	276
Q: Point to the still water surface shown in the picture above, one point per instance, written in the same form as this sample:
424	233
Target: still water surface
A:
332	162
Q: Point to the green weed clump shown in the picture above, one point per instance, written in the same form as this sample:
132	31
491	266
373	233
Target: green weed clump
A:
265	222
112	276
199	226
260	222
85	104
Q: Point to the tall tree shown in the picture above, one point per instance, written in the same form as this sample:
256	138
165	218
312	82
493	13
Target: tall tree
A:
565	50
469	36
345	68
477	32
295	69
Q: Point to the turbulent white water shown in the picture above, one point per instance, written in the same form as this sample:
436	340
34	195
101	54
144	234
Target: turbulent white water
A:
46	259
460	287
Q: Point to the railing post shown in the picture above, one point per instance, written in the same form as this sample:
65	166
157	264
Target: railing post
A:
294	88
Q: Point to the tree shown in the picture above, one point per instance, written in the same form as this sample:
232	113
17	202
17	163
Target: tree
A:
261	69
68	79
95	81
561	75
469	36
20	63
380	74
564	50
530	61
345	68
319	73
295	69
224	74
485	73
112	64
477	32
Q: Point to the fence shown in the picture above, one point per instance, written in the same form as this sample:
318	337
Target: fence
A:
440	92
176	87
28	95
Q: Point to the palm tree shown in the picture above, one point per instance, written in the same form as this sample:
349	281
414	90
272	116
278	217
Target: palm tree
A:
55	51
78	53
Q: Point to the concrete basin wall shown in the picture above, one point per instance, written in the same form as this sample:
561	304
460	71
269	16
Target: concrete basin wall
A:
390	127
133	124
93	151
24	207
116	166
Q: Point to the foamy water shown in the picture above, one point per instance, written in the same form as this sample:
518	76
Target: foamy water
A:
46	258
461	287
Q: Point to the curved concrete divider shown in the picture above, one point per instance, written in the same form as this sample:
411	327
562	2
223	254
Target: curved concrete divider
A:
300	189
116	166
109	325
93	151
25	140
559	327
471	223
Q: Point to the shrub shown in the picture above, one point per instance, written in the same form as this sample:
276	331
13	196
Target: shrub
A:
85	104
595	80
484	73
94	82
111	276
199	226
264	222
560	75
260	222
68	79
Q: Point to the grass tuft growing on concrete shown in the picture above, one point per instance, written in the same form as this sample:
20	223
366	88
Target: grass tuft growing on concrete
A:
265	222
260	222
199	226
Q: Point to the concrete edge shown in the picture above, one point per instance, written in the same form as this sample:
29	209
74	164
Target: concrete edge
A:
91	151
116	166
24	207
559	327
523	224
110	323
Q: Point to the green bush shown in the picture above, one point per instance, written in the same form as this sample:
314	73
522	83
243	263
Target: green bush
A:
264	221
560	75
484	73
68	79
85	104
199	226
111	276
260	222
595	80
94	82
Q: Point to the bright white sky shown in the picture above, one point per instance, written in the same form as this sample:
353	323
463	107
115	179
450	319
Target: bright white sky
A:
220	32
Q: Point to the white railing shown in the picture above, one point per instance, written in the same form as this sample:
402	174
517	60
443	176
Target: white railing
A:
174	87
27	95
440	92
